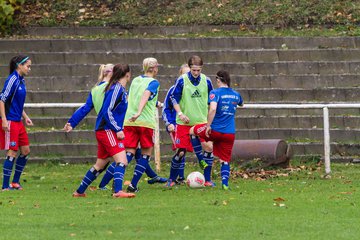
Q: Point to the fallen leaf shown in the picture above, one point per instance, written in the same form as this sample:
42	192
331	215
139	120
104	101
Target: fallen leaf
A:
349	193
92	188
279	199
224	203
186	228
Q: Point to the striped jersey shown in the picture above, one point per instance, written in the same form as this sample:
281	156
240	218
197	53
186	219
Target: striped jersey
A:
13	95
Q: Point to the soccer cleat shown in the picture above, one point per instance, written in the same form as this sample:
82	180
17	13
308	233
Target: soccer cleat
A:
16	186
78	195
180	181
203	164
225	187
132	189
209	184
170	183
103	188
121	194
6	189
157	179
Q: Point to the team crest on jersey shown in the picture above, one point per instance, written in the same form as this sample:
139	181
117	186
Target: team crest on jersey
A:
12	144
212	96
177	141
121	145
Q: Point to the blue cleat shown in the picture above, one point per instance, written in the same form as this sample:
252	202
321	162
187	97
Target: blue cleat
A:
157	179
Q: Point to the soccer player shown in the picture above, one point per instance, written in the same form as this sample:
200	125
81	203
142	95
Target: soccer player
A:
169	118
13	135
220	126
140	118
190	101
109	133
95	100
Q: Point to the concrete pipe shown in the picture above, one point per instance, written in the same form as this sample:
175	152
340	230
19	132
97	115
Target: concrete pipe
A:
269	151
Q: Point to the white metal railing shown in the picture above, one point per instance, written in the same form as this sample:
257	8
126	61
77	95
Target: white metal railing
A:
326	127
325	108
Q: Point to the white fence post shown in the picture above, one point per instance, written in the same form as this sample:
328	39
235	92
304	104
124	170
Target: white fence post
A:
326	140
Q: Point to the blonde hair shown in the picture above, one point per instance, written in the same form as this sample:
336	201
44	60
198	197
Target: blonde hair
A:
182	68
104	70
149	64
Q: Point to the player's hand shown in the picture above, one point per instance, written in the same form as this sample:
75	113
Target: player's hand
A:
208	131
171	128
120	135
134	117
159	104
184	118
5	125
68	127
28	122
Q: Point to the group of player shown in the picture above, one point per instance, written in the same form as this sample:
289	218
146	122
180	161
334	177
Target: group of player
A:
197	117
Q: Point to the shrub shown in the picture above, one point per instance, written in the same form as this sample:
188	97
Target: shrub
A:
8	9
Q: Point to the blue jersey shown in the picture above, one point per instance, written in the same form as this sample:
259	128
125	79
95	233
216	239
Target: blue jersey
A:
168	112
227	101
112	113
179	85
13	95
82	111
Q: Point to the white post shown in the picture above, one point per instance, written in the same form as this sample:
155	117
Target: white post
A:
157	142
326	141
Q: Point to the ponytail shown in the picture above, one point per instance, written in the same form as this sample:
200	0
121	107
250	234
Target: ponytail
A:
224	77
119	71
104	70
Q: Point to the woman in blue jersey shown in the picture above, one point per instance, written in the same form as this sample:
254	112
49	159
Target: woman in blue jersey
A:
220	126
95	98
169	118
13	134
109	133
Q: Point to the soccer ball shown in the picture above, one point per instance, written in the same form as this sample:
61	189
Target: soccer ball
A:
195	180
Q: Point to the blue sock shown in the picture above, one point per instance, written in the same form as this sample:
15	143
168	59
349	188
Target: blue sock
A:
149	171
130	156
225	173
209	158
140	168
174	169
195	142
7	169
19	167
182	168
89	177
119	176
108	175
137	154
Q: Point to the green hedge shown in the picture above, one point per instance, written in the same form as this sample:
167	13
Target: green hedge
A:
280	13
8	8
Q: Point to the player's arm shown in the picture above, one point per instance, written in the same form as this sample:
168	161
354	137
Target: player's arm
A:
8	90
175	99
4	126
213	101
210	118
79	114
115	122
27	119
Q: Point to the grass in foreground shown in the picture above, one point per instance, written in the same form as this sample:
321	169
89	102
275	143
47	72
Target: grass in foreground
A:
290	205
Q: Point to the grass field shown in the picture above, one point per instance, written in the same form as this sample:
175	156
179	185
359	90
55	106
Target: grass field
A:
290	205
